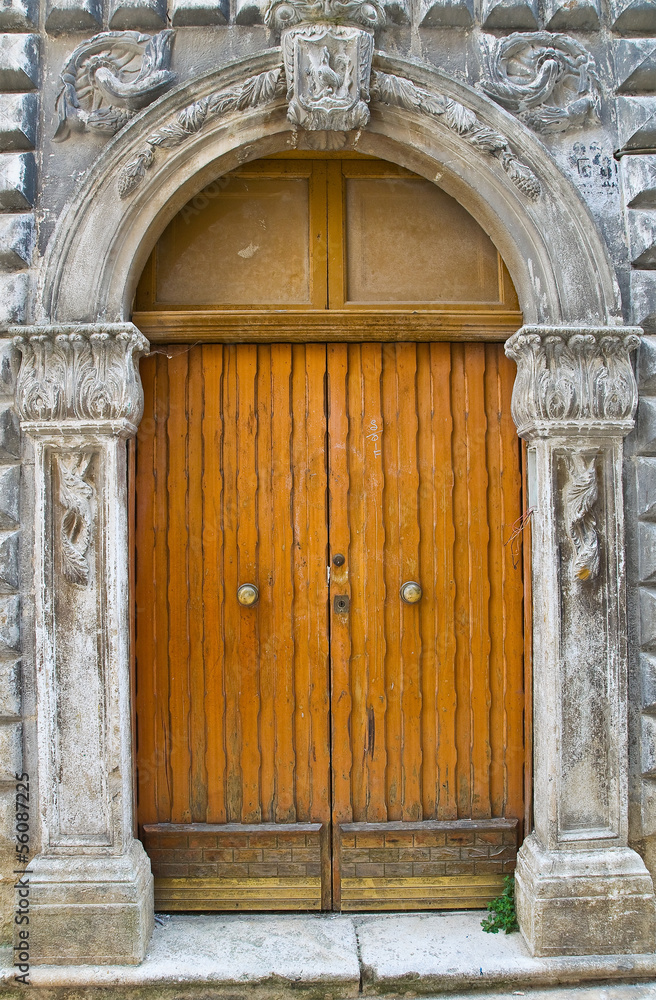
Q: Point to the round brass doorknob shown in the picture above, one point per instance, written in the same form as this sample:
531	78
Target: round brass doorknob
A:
248	594
411	592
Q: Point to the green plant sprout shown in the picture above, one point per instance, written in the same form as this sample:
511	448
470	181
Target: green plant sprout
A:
504	916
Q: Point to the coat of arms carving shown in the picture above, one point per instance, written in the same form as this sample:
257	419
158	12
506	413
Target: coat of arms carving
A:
327	49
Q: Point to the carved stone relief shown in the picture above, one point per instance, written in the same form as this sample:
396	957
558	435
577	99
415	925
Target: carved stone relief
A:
76	497
576	375
580	496
68	374
110	77
549	81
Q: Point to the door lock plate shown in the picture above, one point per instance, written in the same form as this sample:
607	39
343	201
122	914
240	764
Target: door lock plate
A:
341	604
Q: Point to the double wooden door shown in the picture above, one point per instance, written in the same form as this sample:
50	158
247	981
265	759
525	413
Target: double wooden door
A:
330	745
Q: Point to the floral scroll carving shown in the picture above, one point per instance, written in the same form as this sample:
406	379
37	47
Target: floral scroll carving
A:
76	497
111	76
572	375
580	496
549	81
80	373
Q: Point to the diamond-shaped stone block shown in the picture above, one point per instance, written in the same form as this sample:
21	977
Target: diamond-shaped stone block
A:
515	14
11	750
185	13
635	65
639	180
10	694
19	62
647	552
643	299
73	15
9	541
636	122
9	624
19	15
645	473
446	13
18	121
16	241
572	15
642	239
143	14
17	182
628	16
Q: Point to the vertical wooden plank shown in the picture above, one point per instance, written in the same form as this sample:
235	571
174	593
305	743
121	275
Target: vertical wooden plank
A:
339	496
145	610
445	580
178	586
392	607
430	543
247	546
497	606
374	559
318	762
232	670
409	536
461	577
268	517
284	492
479	585
197	732
213	583
302	617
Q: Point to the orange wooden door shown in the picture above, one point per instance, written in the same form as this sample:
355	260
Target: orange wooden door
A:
395	779
427	698
232	702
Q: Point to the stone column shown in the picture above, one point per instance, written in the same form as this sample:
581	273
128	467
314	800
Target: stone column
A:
580	890
79	398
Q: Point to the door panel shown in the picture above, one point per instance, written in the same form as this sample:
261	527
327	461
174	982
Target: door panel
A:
430	695
232	701
404	761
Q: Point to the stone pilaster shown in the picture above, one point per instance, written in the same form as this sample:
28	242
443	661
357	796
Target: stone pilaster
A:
579	888
79	398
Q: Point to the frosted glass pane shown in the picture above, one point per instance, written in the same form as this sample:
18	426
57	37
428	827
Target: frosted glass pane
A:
245	243
407	241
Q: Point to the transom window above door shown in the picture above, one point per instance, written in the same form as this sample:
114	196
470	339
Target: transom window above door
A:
344	247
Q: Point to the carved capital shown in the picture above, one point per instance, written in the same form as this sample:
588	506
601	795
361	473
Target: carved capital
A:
83	373
571	379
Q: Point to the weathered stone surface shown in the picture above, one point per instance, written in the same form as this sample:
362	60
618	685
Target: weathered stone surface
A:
636	122
565	15
643	299
446	13
9	581
142	14
628	16
19	15
19	62
9	624
639	180
9	495
18	121
645	471
642	239
10	687
73	15
17	182
11	750
635	66
9	433
518	14
16	241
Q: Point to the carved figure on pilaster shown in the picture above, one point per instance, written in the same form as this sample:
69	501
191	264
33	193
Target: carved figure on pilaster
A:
549	81
70	373
76	498
572	376
110	77
580	496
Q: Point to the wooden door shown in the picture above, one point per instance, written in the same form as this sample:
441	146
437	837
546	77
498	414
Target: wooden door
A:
328	475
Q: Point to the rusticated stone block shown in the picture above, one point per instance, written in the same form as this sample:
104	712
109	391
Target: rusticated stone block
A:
141	14
17	182
18	121
648	744
11	750
16	241
635	65
9	624
639	180
648	680
643	299
572	15
446	13
9	562
647	552
518	14
628	16
642	239
636	121
646	366
648	618
19	62
186	13
646	425
9	434
645	473
73	15
19	15
10	693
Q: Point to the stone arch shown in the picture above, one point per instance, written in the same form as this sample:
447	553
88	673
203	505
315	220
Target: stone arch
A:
556	257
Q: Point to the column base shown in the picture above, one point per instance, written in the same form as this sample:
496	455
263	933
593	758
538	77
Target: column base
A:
91	910
587	902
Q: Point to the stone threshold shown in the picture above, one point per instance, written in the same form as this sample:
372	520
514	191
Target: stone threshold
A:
323	956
